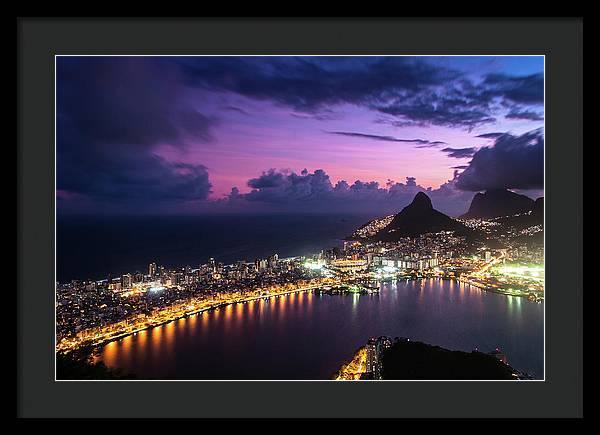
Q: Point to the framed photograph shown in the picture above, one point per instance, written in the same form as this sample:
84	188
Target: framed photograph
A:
298	222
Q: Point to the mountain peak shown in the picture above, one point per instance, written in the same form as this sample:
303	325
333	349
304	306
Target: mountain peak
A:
421	200
419	217
498	202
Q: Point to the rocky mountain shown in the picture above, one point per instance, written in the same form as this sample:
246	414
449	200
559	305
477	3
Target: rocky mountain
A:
498	202
419	217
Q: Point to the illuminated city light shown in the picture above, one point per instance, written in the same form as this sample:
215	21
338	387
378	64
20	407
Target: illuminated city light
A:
313	266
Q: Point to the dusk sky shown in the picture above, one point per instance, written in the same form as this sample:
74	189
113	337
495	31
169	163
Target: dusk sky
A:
294	134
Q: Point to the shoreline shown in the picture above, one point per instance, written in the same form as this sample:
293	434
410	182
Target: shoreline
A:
93	346
499	291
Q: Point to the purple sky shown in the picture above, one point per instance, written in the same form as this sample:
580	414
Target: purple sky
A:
176	134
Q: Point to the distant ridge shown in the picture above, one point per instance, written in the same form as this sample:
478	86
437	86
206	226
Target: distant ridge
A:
498	202
419	217
524	220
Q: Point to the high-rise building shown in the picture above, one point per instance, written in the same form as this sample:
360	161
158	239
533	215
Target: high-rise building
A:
272	261
212	265
332	254
260	265
371	363
152	270
126	281
383	343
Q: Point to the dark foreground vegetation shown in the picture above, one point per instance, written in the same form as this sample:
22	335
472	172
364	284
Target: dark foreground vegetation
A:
76	366
415	360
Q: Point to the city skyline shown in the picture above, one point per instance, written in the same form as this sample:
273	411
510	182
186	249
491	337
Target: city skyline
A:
197	135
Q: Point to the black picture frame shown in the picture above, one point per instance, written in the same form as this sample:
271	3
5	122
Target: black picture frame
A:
560	40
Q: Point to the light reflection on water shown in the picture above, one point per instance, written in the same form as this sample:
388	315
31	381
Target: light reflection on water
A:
307	336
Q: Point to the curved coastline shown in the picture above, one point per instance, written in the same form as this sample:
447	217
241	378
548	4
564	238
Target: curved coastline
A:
97	344
104	341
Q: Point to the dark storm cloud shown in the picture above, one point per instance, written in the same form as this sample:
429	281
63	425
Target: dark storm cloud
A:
307	84
385	138
450	107
462	103
459	153
525	114
459	167
515	162
411	90
112	113
526	89
135	177
127	101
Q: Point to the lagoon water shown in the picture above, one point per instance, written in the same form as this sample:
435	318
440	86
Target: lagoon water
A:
308	336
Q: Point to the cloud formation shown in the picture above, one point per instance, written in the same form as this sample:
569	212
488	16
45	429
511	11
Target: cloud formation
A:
512	162
521	90
111	117
459	153
309	83
411	90
386	138
288	191
525	114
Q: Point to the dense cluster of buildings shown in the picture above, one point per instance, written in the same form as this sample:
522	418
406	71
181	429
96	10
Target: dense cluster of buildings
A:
373	227
86	304
418	256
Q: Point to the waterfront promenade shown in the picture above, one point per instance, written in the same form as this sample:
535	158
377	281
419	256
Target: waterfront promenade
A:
97	336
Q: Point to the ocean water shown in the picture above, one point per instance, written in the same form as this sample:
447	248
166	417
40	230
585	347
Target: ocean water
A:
93	247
